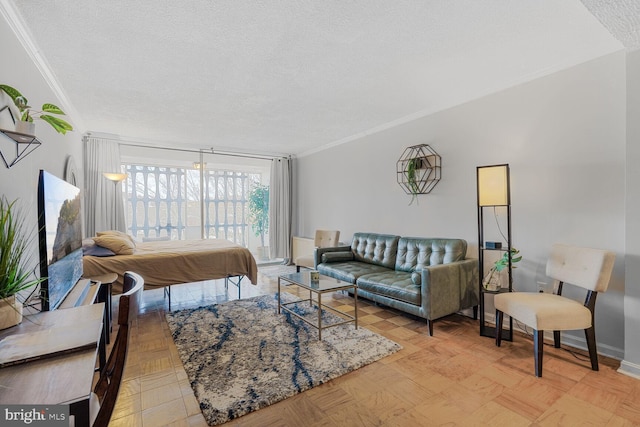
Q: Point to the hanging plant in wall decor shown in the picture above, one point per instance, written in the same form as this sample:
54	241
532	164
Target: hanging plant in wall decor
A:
418	170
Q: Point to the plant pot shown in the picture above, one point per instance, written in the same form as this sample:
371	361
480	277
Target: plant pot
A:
492	282
10	312
27	128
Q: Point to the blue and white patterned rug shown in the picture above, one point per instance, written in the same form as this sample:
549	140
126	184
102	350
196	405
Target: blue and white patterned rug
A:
241	356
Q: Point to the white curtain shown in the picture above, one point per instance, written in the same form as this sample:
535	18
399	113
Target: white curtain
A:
280	208
104	206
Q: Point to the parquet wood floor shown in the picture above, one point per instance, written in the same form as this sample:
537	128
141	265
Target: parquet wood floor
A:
455	378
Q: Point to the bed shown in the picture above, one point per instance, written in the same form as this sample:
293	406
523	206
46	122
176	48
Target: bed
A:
166	263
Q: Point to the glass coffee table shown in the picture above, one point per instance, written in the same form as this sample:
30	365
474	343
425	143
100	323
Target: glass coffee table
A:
318	287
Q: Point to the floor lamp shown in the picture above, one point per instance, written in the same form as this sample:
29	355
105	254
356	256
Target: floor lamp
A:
494	190
115	178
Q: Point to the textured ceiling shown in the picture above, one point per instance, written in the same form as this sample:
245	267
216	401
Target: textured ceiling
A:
621	17
298	75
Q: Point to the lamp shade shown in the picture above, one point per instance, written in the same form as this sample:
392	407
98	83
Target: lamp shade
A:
493	185
115	177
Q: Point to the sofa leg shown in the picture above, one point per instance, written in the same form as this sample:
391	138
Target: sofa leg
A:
475	312
297	269
430	326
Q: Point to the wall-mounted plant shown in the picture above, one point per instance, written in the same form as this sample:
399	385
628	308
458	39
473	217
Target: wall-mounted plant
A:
412	167
28	114
418	170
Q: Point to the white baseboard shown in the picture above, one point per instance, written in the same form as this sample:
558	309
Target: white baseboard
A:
630	369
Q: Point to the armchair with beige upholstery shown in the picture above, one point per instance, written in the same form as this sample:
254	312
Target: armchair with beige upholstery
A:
323	239
585	267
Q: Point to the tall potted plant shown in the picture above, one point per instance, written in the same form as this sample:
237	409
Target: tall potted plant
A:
27	113
259	215
15	271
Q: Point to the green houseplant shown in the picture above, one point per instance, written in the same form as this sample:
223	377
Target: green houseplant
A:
15	272
492	280
28	114
412	166
259	215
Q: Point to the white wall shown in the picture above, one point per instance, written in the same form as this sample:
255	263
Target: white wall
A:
21	181
564	138
631	362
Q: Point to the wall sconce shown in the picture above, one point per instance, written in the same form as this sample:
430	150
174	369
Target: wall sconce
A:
493	185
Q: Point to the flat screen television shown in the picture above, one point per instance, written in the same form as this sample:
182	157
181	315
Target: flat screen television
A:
60	237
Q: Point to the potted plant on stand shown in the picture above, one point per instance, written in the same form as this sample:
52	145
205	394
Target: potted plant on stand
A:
491	281
259	216
26	125
15	274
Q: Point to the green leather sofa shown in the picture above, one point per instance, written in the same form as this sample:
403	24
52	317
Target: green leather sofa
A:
429	278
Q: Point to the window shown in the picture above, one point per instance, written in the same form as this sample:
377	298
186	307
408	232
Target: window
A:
163	201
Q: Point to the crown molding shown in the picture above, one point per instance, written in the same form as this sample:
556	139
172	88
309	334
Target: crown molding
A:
19	28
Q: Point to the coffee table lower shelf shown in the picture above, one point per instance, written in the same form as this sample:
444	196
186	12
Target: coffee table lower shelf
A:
324	285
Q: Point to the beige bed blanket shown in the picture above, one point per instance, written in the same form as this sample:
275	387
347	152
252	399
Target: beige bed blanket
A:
177	261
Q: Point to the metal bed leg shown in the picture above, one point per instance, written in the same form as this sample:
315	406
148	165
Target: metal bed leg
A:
167	293
230	279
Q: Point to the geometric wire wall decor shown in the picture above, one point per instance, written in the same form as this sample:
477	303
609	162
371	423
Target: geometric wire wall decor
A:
418	170
15	146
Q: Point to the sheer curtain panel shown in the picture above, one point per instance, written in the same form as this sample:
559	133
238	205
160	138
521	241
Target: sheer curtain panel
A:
280	208
104	207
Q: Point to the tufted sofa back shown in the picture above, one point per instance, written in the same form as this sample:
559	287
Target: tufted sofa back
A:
414	252
379	249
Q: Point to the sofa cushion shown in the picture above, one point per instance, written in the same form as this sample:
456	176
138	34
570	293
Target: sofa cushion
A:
392	284
416	278
377	249
348	271
415	253
337	256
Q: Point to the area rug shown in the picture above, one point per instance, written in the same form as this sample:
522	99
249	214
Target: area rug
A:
241	356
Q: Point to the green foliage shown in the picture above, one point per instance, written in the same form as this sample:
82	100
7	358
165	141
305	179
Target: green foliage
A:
15	275
503	262
28	114
412	167
259	210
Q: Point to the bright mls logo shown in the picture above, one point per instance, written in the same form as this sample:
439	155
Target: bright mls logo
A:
36	415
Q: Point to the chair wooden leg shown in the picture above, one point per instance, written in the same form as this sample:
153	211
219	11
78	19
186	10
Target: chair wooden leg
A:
498	327
556	339
590	335
538	343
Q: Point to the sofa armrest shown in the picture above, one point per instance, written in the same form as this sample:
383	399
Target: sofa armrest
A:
317	253
449	288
